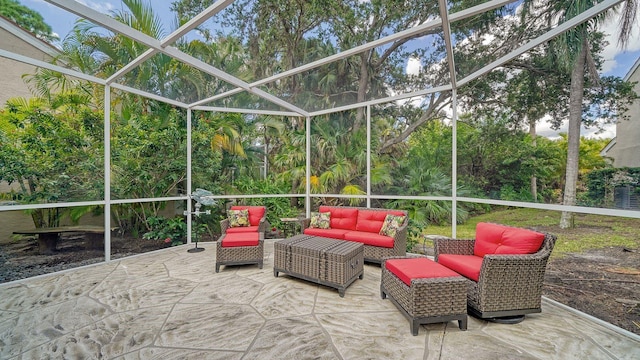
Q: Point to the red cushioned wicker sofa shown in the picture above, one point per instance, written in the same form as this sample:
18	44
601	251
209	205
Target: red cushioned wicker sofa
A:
504	267
363	225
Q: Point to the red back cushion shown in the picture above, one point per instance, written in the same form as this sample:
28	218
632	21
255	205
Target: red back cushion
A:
500	239
341	218
372	220
255	213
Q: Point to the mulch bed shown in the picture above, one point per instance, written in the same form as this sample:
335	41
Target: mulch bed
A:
604	283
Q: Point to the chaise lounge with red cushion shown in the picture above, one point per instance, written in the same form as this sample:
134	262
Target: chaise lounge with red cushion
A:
504	267
364	225
242	238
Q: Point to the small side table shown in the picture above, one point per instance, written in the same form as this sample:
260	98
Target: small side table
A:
290	226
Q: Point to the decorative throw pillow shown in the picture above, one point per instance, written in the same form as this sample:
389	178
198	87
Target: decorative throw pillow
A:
238	218
320	220
391	225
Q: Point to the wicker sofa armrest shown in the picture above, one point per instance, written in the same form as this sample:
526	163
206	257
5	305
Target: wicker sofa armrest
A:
224	225
442	245
400	240
262	225
306	222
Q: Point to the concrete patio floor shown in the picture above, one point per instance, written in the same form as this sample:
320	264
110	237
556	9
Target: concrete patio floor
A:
171	304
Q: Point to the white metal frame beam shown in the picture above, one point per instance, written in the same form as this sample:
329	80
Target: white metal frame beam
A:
416	30
118	27
561	28
446	28
43	64
173	37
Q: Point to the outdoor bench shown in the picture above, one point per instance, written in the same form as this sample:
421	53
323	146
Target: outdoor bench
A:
48	236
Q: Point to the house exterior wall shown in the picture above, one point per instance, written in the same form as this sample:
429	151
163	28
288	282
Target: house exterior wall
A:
11	82
626	152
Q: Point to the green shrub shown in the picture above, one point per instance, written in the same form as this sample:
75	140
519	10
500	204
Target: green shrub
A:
172	231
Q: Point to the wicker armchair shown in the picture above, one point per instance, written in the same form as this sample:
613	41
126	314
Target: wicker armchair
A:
509	286
257	218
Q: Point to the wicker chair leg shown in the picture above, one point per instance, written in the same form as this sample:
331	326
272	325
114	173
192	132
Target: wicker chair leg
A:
462	323
217	267
415	325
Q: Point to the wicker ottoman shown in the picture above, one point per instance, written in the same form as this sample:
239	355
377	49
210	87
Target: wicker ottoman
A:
330	262
424	291
240	249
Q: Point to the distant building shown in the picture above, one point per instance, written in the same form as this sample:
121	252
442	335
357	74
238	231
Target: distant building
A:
19	41
624	149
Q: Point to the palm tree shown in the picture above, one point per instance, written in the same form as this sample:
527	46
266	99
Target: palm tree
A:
573	52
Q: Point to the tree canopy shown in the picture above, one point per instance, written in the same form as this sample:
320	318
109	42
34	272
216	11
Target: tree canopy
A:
411	140
27	19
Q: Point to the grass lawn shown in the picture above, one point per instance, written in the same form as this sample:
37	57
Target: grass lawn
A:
590	232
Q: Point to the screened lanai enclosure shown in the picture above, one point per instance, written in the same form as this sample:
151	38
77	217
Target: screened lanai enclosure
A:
427	106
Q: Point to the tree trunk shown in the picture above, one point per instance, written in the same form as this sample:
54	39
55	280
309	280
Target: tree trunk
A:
573	135
363	84
534	142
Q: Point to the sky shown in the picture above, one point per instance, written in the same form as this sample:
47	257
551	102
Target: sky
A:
618	62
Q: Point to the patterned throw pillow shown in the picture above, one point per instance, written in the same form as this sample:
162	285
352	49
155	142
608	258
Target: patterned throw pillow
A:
391	225
238	218
320	220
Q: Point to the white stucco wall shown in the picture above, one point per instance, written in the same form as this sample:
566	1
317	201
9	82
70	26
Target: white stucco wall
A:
626	152
11	82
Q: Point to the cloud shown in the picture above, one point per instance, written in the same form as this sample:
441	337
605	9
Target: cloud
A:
413	66
611	28
104	7
608	131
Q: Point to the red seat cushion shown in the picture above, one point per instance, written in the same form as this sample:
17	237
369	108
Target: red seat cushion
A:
329	233
500	239
341	217
242	229
417	268
241	239
368	238
466	265
372	220
255	213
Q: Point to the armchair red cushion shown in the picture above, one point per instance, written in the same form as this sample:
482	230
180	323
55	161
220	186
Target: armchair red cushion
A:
241	239
466	265
242	229
500	239
255	213
417	268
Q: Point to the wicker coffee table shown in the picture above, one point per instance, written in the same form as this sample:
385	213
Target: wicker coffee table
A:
330	262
